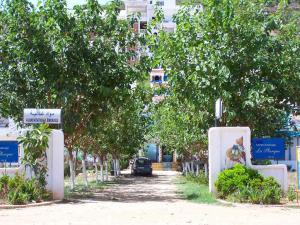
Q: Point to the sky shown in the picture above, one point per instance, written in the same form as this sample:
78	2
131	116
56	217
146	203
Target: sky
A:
71	3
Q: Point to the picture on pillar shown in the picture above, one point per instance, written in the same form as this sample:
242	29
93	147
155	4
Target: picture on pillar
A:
236	153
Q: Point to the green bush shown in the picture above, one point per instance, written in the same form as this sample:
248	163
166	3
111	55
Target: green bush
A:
18	190
243	184
291	193
235	179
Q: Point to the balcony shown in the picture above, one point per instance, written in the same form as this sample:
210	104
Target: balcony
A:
136	6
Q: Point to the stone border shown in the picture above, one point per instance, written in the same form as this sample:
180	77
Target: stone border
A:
237	204
30	205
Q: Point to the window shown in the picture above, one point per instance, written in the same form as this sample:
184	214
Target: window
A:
156	79
143	25
160	3
143	162
165	77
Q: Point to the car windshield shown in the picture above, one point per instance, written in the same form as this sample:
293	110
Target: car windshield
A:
143	162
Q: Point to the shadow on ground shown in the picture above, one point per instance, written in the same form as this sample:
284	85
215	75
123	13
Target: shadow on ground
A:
130	188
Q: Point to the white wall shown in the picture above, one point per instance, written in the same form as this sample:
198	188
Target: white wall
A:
222	138
55	163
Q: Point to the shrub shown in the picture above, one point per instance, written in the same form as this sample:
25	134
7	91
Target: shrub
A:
291	193
235	180
18	190
4	185
243	184
271	191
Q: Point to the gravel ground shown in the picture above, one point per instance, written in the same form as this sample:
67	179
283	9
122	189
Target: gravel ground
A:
147	201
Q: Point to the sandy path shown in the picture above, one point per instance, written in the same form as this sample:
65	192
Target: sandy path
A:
147	201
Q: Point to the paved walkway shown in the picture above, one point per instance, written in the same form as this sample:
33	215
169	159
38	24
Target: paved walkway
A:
147	201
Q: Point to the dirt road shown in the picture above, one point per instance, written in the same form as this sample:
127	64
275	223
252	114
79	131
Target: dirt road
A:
147	201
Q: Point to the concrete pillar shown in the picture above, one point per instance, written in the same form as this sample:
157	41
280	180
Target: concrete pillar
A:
55	164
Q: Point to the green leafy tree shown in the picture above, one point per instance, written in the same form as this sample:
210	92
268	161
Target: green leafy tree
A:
78	60
238	50
180	128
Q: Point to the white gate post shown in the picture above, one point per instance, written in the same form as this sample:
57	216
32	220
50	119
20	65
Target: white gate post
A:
55	164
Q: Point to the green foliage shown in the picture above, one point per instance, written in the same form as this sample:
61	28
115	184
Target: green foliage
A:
237	50
235	179
78	60
243	184
195	191
4	185
180	126
261	162
291	193
35	143
199	179
17	190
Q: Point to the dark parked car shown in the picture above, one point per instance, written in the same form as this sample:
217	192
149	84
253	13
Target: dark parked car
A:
142	166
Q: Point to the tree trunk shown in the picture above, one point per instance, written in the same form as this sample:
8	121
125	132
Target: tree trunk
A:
101	168
115	167
72	174
192	167
96	170
106	171
75	162
197	169
187	169
206	170
84	170
118	167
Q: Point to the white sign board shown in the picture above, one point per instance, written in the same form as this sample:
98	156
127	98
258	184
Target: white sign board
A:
35	116
4	122
219	109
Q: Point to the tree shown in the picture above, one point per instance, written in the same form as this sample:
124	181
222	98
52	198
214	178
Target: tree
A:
239	51
182	129
124	129
77	60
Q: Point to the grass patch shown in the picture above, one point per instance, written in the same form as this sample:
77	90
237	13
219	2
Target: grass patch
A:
81	191
194	191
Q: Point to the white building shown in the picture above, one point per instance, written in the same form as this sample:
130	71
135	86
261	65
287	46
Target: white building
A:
146	10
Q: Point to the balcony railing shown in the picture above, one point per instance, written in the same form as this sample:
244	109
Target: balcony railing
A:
136	6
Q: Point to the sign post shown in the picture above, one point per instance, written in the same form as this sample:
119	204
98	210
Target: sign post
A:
218	110
36	116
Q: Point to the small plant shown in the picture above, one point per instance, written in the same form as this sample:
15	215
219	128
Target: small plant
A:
18	190
4	185
35	143
291	193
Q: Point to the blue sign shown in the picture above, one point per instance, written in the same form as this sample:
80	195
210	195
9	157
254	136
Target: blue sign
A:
268	148
9	151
